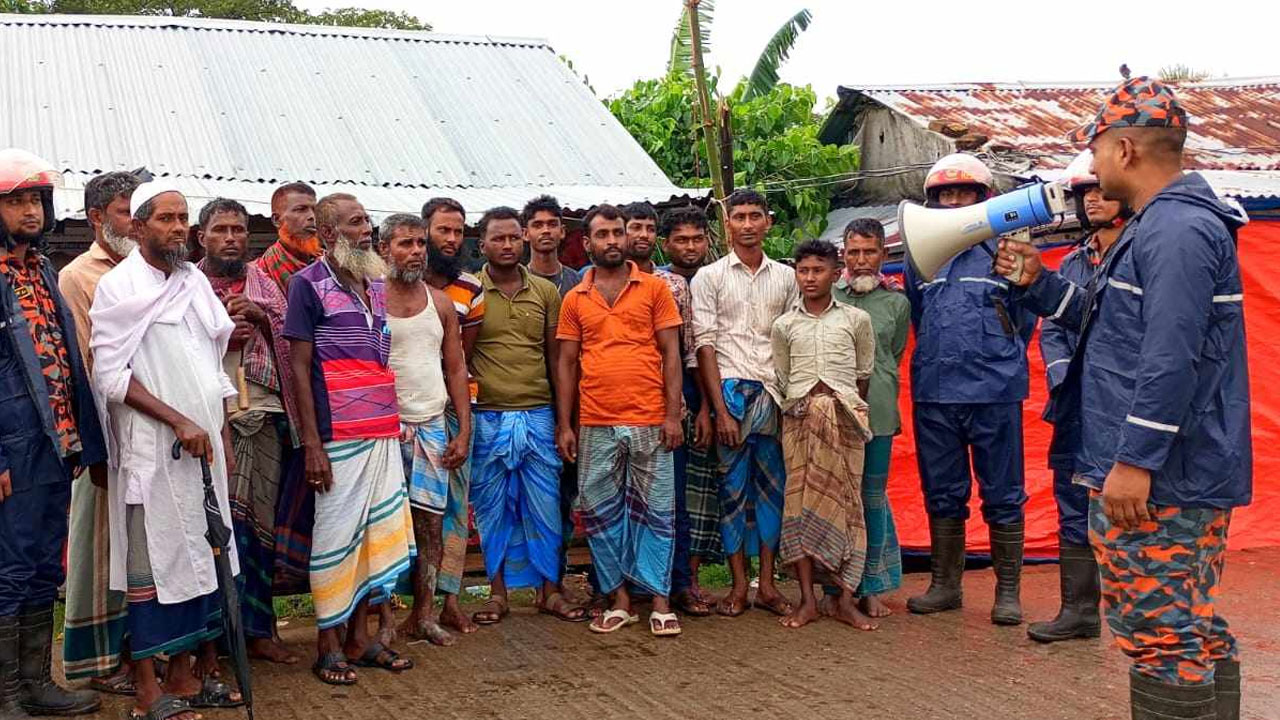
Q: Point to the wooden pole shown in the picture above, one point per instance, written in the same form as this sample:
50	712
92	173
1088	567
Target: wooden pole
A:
710	135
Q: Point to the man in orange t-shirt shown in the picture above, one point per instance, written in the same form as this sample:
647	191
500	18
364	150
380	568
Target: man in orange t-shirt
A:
620	347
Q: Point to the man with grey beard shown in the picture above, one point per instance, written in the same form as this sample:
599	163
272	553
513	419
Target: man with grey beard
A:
350	428
426	356
262	417
95	646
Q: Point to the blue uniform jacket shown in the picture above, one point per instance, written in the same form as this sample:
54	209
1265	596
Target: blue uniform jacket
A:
26	417
1058	343
964	353
1160	379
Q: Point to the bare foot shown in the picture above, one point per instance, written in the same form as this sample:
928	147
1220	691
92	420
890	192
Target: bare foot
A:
774	602
270	650
848	613
426	628
872	606
827	605
733	604
453	617
800	616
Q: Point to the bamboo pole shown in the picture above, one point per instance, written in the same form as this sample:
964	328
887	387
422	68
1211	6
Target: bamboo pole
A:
710	134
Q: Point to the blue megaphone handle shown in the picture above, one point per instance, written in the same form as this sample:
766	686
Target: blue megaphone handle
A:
1022	208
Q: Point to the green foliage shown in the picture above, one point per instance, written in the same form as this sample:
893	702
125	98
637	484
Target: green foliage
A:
680	61
775	149
765	74
283	11
1183	73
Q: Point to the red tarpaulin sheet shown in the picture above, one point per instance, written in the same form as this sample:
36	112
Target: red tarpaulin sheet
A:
1250	527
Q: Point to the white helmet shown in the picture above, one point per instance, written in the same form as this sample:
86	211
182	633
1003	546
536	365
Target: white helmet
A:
1078	173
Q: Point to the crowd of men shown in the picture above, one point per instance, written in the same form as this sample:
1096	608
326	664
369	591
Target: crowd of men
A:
355	395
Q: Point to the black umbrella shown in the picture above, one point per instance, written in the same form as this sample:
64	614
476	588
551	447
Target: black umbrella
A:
219	537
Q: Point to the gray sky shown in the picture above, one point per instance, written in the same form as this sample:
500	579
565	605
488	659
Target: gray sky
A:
615	42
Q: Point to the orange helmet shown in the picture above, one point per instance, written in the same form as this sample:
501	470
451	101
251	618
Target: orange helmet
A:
959	169
20	170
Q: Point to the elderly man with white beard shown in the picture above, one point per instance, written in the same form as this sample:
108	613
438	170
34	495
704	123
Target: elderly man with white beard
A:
865	287
158	337
350	426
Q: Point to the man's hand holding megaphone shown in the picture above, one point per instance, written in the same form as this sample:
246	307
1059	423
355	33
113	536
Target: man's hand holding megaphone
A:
1007	262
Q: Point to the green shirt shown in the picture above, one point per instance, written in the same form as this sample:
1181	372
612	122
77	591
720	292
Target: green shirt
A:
510	359
891	318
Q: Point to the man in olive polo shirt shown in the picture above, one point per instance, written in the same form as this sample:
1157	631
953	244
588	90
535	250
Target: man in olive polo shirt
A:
515	472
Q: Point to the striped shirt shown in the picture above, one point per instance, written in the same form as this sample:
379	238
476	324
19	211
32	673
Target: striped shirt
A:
468	299
351	379
734	311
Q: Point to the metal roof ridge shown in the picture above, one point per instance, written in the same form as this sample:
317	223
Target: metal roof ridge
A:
255	26
1023	85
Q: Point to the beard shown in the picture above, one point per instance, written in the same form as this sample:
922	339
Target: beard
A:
446	266
403	275
863	284
34	241
605	260
225	268
363	263
121	245
174	258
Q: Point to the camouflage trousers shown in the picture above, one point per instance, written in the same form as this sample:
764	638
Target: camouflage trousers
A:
1159	584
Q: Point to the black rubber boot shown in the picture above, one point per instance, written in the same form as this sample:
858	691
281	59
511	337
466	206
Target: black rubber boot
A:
1150	699
1006	560
946	560
40	695
1078	617
1226	689
10	681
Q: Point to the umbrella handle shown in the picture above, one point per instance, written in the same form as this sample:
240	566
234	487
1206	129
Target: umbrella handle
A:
177	450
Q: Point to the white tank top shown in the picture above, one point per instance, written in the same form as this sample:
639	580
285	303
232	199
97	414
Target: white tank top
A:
415	360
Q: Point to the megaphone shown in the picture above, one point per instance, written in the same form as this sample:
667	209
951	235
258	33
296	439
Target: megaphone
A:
934	236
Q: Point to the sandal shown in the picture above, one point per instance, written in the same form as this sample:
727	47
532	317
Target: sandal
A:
491	617
779	606
664	624
214	694
384	658
573	614
729	607
334	663
114	685
165	707
689	603
601	624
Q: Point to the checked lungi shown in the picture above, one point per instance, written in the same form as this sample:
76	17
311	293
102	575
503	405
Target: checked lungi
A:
515	495
753	474
626	494
883	570
258	440
822	516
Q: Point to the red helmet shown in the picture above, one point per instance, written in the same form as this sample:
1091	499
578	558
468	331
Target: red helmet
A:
20	170
959	169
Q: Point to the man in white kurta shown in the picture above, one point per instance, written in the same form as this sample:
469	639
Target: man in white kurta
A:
159	334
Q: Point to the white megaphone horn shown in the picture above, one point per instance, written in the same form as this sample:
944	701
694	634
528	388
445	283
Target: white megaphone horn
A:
934	236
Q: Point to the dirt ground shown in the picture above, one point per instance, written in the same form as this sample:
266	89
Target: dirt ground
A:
955	665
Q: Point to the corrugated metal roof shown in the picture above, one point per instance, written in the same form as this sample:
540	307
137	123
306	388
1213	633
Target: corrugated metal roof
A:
1235	123
840	218
241	104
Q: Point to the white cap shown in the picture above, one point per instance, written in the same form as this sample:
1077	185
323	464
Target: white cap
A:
149	190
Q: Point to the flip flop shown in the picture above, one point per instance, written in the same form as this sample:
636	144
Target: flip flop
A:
780	606
601	624
334	662
658	624
213	694
382	657
165	707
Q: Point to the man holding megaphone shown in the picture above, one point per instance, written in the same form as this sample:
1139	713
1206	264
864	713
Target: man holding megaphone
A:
1155	404
968	381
